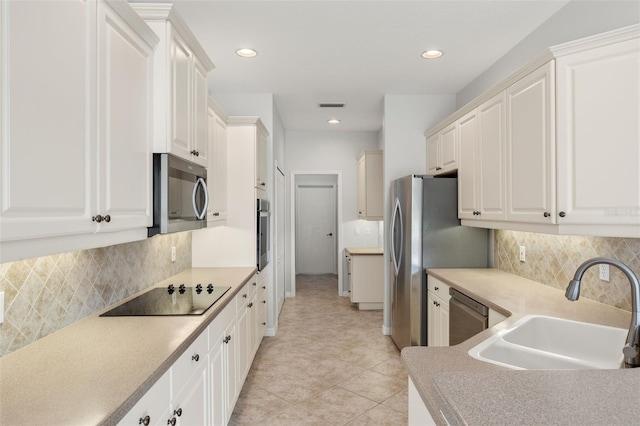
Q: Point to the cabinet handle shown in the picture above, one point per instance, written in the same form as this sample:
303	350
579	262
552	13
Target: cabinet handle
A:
562	214
97	218
250	305
244	295
107	218
436	288
547	214
195	358
178	412
438	168
145	421
172	421
215	214
263	184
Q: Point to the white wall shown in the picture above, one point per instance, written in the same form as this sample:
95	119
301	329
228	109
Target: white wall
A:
576	20
406	119
333	151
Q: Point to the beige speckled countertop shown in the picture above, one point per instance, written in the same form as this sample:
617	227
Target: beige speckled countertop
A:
364	250
468	391
95	370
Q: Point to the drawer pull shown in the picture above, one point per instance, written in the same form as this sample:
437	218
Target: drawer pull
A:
145	421
195	358
178	412
436	288
172	421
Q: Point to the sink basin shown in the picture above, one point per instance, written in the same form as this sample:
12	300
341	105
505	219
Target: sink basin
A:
538	342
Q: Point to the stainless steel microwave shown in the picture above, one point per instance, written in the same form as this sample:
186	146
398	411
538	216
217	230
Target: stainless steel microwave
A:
180	195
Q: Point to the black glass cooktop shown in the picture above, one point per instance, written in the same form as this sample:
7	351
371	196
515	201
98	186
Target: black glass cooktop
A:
170	301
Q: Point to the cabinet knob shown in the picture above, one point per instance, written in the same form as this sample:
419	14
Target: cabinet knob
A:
107	218
195	358
264	301
145	421
263	184
436	288
215	214
172	421
547	214
562	214
97	218
438	168
264	323
244	295
264	287
178	412
250	305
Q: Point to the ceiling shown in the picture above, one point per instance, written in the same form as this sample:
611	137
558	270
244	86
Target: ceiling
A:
354	51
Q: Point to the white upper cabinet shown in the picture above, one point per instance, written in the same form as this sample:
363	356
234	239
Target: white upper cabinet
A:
556	146
261	161
442	151
490	158
481	163
599	136
531	185
370	192
76	155
217	170
180	85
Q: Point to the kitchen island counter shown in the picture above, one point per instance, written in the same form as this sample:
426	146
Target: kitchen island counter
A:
463	390
95	370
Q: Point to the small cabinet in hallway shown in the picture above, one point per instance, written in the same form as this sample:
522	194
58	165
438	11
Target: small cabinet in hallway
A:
366	272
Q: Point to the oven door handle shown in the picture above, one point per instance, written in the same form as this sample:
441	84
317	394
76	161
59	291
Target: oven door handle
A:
203	213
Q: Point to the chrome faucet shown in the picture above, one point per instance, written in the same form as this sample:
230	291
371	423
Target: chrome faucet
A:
631	349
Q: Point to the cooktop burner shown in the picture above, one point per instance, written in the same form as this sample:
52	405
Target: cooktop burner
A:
170	301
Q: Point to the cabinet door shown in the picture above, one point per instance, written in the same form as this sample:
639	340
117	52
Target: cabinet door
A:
362	187
154	404
261	161
433	321
218	384
443	311
433	160
181	99
230	354
491	156
467	182
531	180
598	95
47	145
190	407
125	139
243	339
217	173
200	115
374	184
448	147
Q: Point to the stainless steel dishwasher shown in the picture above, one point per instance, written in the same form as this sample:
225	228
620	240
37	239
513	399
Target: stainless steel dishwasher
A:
467	317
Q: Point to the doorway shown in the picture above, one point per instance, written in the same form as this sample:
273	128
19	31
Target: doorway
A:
315	217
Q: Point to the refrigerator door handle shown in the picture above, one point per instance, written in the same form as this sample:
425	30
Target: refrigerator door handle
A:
397	215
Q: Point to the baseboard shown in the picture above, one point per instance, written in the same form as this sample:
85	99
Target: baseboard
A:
270	332
386	331
346	294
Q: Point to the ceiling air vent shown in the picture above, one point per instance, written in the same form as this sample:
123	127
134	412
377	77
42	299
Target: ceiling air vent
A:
331	104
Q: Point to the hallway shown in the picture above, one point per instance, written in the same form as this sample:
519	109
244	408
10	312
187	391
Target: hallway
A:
328	365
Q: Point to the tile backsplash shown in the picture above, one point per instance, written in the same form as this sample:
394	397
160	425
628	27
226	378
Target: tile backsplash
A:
553	259
45	294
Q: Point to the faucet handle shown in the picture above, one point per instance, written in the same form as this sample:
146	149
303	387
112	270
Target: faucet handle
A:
630	350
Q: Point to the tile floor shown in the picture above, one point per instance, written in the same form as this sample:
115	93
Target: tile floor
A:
328	365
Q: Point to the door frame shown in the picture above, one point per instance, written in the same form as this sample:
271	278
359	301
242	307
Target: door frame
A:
292	193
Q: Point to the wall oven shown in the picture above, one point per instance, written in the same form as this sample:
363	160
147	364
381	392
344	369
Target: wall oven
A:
180	196
263	237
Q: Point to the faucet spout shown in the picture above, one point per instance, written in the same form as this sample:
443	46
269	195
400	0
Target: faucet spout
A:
631	349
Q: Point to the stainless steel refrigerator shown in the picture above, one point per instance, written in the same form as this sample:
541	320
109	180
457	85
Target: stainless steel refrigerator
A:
425	232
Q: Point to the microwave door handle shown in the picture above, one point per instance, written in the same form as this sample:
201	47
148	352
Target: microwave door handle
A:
200	214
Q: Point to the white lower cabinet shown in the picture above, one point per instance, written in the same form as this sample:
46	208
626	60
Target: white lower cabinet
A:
419	415
437	313
203	384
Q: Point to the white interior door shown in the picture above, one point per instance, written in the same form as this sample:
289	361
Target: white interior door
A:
280	241
316	250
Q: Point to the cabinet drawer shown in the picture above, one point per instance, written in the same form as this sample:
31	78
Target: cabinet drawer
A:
438	288
243	296
154	404
189	362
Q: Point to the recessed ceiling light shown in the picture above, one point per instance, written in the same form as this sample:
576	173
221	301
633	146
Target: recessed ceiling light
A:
432	54
246	53
333	121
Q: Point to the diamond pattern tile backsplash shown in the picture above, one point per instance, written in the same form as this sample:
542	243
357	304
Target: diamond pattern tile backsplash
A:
553	259
45	294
